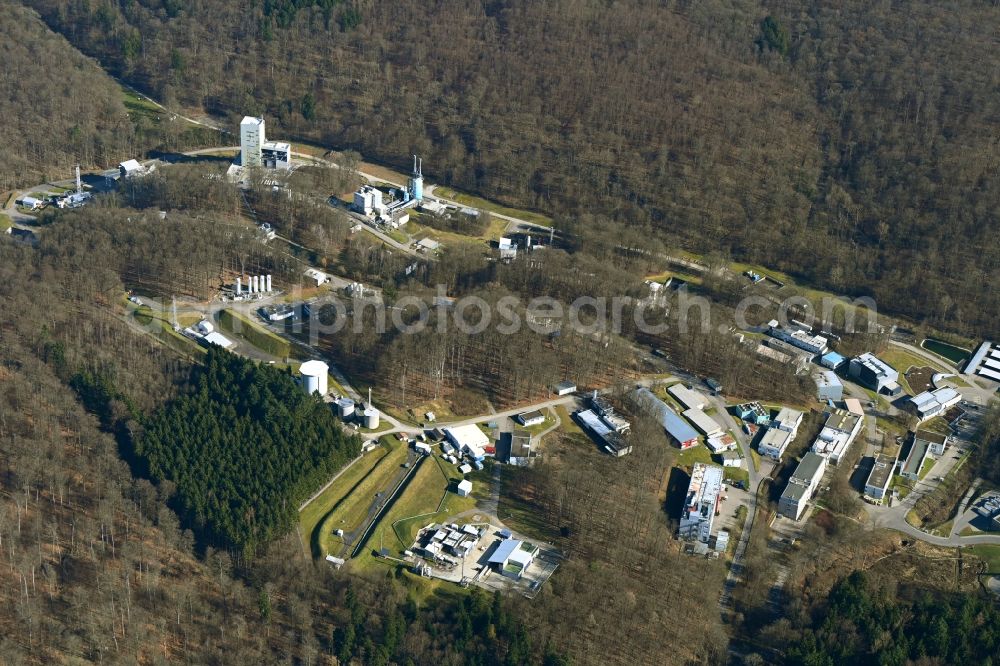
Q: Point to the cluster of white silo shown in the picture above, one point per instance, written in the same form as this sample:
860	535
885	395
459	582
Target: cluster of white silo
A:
256	284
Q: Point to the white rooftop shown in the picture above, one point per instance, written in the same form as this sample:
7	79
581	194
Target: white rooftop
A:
468	437
217	338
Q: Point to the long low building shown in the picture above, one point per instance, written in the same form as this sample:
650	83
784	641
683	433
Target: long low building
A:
802	485
915	458
672	423
814	344
701	502
703	422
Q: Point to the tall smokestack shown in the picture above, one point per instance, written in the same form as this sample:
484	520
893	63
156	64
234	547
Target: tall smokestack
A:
79	185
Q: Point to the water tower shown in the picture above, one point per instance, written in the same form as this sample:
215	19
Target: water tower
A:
314	377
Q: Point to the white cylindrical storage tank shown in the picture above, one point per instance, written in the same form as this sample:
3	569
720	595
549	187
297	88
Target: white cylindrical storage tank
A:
256	286
346	408
239	286
268	284
314	376
371	418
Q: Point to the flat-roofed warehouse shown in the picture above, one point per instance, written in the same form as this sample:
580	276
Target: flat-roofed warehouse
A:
690	398
703	422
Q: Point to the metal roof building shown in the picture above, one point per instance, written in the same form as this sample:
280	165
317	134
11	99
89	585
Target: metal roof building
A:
676	427
774	443
703	422
828	386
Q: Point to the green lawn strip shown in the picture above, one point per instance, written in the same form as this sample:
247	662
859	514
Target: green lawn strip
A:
5	222
313	515
902	485
397	236
350	512
238	325
989	553
927	467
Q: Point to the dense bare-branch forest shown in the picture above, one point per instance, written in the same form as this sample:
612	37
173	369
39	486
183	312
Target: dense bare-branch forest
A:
853	145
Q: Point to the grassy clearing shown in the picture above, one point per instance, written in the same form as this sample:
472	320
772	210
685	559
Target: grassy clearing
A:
989	554
259	337
136	103
902	360
314	513
903	486
734	474
568	424
5	222
483	204
350	512
696	454
397	236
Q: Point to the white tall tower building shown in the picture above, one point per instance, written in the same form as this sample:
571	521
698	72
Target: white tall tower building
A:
251	141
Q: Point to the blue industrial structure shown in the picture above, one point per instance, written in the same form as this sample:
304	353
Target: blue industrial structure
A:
416	190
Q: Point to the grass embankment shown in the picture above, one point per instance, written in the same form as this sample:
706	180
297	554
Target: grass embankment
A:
163	330
5	223
350	511
483	204
241	327
428	498
902	360
312	516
